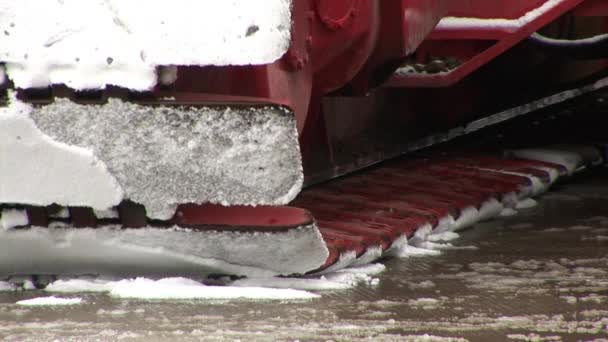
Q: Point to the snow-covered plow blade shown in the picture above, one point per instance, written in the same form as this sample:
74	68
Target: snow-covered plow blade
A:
200	241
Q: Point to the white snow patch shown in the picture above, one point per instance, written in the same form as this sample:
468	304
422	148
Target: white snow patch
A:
89	44
554	230
422	234
106	214
427	284
443	246
413	251
345	260
339	280
80	286
528	203
490	209
181	288
508	212
11	218
459	23
468	217
397	246
320	284
369	269
371	254
570	160
446	224
55	172
7	287
447	236
50	301
178	288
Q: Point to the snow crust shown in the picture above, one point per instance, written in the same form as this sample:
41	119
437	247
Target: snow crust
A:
459	23
50	301
97	155
88	43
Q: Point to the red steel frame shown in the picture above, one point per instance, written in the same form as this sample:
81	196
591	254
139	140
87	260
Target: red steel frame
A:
355	45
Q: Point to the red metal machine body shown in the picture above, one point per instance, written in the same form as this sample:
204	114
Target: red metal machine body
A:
367	77
348	51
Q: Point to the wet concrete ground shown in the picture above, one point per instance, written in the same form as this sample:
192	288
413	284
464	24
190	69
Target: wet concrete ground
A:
538	276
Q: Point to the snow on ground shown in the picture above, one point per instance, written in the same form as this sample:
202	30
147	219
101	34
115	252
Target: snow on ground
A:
181	288
88	44
175	289
50	301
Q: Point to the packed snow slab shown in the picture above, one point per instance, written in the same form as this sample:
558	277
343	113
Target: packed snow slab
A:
89	44
160	251
159	156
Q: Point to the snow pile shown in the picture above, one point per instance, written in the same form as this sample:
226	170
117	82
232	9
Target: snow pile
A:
50	301
11	218
88	44
457	23
175	288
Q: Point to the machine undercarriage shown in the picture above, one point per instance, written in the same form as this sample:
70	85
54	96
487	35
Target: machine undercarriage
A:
195	163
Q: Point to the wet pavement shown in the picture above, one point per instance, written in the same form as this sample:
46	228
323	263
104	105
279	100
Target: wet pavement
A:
539	276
